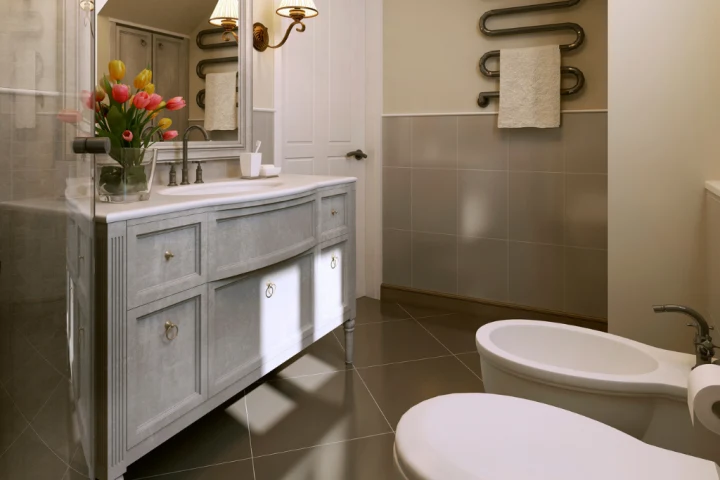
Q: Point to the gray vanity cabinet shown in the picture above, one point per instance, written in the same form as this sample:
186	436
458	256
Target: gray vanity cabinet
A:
194	306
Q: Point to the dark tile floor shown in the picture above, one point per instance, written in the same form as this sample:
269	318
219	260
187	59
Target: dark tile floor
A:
317	419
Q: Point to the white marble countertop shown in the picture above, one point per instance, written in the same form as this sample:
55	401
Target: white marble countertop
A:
162	204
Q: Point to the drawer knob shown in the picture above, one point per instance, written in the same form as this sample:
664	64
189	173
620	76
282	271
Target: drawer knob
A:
334	262
169	255
333	212
171	331
270	290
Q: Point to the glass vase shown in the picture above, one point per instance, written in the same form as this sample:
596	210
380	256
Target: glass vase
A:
125	175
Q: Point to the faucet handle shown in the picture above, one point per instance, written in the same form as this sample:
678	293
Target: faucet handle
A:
173	176
199	173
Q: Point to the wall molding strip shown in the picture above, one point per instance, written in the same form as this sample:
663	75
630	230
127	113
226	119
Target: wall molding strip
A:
266	110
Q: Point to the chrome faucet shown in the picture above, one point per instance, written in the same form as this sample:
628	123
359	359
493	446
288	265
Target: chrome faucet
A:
185	171
704	348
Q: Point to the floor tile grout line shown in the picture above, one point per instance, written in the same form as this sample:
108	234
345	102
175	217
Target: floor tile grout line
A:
247	415
338	442
37	350
29	425
262	456
373	399
156	475
338	341
403	362
444	346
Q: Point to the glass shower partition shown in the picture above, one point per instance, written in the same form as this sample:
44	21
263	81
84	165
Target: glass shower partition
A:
47	206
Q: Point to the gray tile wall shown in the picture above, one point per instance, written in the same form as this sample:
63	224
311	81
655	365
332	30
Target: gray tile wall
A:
514	216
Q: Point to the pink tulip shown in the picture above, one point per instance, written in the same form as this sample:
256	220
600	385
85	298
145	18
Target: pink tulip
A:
120	93
175	103
170	134
88	99
153	102
127	136
141	100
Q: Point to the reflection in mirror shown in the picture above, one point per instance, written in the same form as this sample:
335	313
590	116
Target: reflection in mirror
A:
187	57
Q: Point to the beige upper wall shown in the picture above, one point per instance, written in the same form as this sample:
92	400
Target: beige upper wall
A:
432	50
663	145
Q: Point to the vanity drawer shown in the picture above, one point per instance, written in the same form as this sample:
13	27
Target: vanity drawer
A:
257	317
334	215
166	357
333	267
247	239
166	257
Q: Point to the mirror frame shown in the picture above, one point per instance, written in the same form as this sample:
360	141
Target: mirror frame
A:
208	151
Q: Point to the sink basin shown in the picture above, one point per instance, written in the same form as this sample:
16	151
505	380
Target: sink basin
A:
220	188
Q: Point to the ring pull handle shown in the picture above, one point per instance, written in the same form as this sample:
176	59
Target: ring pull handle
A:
170	327
334	262
333	212
270	290
143	42
169	255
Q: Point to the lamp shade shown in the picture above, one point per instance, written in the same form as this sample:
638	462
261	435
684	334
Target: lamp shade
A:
225	11
306	6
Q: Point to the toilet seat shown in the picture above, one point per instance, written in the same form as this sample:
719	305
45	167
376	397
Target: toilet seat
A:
492	437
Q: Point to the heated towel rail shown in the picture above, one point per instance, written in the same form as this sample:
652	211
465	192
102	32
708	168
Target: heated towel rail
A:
484	97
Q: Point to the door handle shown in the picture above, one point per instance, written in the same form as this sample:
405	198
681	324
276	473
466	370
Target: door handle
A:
91	145
358	154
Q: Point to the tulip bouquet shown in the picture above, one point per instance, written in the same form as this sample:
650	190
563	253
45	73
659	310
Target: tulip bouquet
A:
126	119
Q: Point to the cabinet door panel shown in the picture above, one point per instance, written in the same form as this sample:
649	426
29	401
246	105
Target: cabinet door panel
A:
164	375
250	324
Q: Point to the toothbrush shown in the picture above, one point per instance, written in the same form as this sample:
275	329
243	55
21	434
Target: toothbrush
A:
257	146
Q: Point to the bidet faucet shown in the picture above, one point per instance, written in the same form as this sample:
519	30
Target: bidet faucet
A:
704	348
185	171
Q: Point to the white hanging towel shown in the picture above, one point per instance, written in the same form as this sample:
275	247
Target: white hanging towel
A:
221	101
25	105
530	87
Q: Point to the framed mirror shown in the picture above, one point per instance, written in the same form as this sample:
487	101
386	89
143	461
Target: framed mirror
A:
185	53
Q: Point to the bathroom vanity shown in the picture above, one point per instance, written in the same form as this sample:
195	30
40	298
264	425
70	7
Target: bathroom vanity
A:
199	294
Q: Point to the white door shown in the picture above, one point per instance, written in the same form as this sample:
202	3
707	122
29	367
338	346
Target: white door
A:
322	102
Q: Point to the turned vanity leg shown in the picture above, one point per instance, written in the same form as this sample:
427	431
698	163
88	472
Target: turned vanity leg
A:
349	340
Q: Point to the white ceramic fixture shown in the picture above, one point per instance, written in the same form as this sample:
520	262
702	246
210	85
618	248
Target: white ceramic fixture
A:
636	388
480	436
219	188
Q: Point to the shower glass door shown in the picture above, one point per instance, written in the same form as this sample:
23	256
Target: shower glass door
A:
46	240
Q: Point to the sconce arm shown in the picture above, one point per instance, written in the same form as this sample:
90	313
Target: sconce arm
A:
261	35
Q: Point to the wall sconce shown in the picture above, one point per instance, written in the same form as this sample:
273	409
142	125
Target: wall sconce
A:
226	15
295	9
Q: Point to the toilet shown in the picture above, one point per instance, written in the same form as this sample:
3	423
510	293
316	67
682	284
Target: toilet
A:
481	436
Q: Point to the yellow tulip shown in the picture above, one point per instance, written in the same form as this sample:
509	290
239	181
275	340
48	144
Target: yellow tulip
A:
117	70
165	123
150	88
143	79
